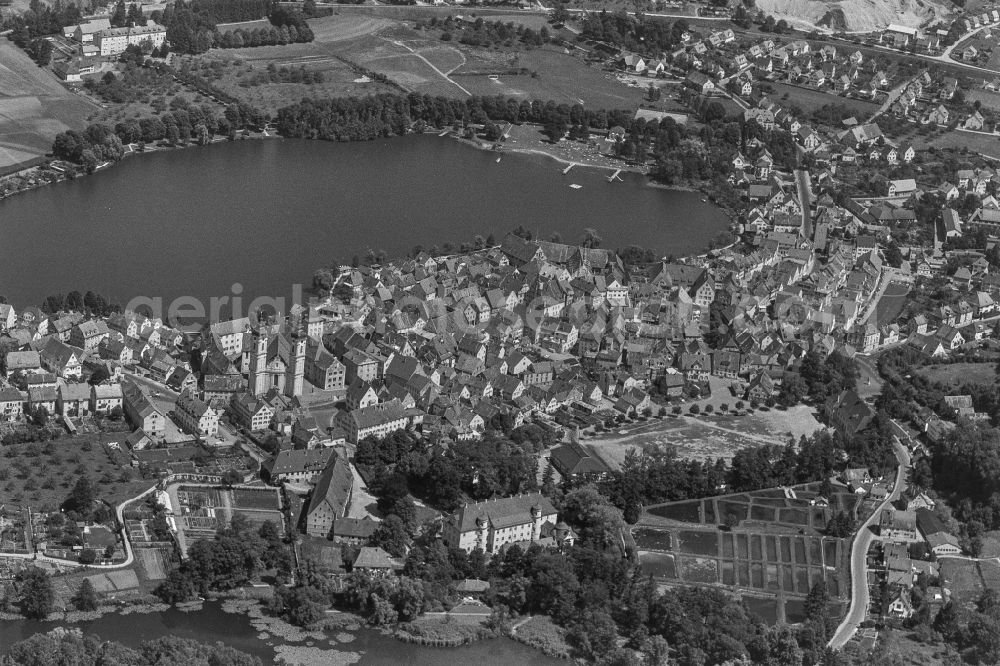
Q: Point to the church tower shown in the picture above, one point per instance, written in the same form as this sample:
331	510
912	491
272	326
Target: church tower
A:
257	383
296	369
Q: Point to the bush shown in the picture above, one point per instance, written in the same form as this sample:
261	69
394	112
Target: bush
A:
695	409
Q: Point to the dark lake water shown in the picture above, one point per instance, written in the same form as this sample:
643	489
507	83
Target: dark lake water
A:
265	214
212	624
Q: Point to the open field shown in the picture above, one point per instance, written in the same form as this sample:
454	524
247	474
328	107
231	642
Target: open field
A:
891	304
988	98
910	652
350	42
810	100
707	437
153	564
44	474
339	27
34	107
560	77
956	374
987	144
240	66
967	579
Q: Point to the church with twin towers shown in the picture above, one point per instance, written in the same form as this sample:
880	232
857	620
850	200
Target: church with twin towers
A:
277	359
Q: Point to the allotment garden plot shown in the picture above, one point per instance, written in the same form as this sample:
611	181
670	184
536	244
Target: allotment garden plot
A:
773	543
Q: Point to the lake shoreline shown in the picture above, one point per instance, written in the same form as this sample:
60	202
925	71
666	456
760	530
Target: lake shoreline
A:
465	194
342	637
474	143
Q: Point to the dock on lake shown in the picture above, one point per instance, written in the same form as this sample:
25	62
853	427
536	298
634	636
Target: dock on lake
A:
615	175
566	170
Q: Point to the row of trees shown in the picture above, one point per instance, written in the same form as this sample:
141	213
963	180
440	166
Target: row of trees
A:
94	145
99	143
73	647
91	304
39	20
641	34
284	74
270	36
191	26
489	33
679	153
657	474
122	16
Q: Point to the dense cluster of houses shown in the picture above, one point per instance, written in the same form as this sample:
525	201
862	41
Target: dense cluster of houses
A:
901	570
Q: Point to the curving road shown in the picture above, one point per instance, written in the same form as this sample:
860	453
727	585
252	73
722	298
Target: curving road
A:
859	555
129	553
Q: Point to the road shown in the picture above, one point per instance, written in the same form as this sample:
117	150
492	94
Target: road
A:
859	556
804	188
890	99
129	553
869	381
431	65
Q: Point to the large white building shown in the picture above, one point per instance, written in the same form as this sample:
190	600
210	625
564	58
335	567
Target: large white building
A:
373	421
195	416
491	524
113	41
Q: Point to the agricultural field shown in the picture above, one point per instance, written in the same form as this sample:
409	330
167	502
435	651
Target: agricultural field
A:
353	43
774	544
968	579
986	144
810	100
34	107
774	563
955	374
43	474
769	507
257	506
152	564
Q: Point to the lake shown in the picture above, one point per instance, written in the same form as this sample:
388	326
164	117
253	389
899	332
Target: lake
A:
265	214
212	624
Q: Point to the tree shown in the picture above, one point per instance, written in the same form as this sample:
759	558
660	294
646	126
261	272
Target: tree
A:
81	498
231	477
85	598
40	416
120	15
591	239
559	15
391	535
816	602
37	596
88	556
